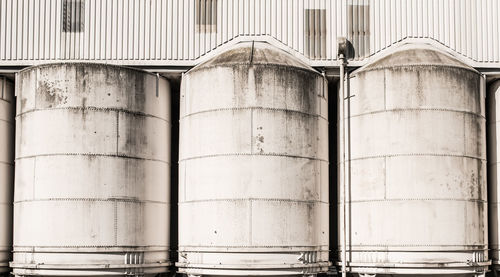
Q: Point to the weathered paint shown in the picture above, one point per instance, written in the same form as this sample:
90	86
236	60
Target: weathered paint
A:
493	181
92	171
7	127
253	169
416	166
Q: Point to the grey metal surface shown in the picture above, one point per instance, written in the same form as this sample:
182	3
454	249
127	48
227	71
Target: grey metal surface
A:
493	181
183	32
7	112
92	171
253	169
415	154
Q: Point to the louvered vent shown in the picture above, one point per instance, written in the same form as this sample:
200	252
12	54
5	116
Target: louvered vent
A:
73	15
315	33
358	27
206	16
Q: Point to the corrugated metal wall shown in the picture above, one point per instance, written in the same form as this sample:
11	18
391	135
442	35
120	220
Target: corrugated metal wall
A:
470	27
151	31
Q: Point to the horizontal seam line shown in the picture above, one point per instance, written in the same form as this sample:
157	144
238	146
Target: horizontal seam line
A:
92	246
91	154
254	199
405	245
416	110
91	200
251	246
2	162
415	199
251	154
415	154
417	64
253	108
91	108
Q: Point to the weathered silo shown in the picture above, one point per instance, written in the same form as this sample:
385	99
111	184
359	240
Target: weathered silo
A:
6	170
253	169
415	174
493	178
92	171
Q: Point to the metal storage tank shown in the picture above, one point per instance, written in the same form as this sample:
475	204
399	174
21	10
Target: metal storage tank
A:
493	181
415	174
6	171
92	171
253	169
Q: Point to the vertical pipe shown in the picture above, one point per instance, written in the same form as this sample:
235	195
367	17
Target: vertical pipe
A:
342	91
492	170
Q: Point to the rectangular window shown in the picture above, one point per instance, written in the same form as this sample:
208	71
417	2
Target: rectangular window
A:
73	15
315	33
358	27
206	16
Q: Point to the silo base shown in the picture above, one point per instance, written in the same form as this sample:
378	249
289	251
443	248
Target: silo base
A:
250	274
425	262
82	273
199	272
390	271
416	274
300	263
430	272
306	275
70	264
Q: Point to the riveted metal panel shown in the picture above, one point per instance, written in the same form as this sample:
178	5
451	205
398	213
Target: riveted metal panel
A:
93	171
253	168
413	166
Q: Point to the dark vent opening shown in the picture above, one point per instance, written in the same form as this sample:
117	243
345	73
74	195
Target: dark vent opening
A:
73	15
315	33
358	27
206	16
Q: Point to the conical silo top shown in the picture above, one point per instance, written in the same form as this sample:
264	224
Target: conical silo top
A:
415	56
255	53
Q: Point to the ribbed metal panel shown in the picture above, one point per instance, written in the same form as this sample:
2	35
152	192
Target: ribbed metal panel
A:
413	159
144	32
471	28
106	132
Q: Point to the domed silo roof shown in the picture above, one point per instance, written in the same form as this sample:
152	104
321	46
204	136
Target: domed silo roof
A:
255	53
415	56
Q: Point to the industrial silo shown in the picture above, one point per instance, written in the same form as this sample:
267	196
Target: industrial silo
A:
413	166
253	169
493	178
6	171
92	171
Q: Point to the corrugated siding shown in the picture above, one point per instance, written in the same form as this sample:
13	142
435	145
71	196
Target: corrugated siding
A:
154	29
469	27
168	30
